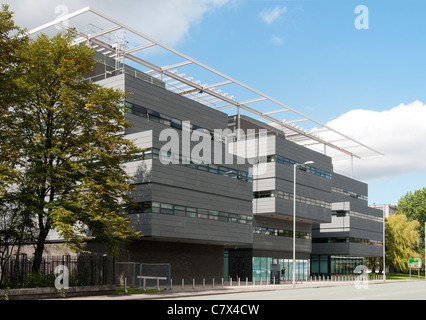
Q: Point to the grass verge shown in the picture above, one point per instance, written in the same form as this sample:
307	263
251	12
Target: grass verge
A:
135	290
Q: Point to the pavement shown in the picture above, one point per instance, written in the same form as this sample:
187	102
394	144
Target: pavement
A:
200	291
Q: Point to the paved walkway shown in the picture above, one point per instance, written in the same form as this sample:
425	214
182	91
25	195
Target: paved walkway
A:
177	292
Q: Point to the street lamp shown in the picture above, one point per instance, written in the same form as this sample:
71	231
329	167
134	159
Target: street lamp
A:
297	165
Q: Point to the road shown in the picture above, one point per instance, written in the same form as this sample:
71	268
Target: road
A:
391	290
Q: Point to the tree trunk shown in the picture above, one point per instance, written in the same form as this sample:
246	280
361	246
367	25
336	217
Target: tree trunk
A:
38	253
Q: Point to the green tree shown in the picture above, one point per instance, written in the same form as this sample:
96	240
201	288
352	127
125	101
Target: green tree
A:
15	224
413	205
402	237
12	40
67	134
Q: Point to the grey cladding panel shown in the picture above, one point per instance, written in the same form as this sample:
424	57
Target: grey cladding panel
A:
171	104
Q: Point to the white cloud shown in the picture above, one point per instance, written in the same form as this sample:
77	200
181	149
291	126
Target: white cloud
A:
168	21
276	40
270	15
398	133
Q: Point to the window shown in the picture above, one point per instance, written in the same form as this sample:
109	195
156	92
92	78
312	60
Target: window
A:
213	215
203	167
175	123
203	214
223	216
179	211
233	217
156	207
191	212
165	120
213	168
166	208
139	111
153	116
147	207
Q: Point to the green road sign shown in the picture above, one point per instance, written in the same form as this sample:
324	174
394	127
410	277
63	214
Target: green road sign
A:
414	263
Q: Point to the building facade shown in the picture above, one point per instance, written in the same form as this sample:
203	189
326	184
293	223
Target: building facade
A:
189	211
355	231
220	216
220	220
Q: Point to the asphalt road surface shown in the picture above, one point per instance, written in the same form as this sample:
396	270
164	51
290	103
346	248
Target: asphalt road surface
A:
400	290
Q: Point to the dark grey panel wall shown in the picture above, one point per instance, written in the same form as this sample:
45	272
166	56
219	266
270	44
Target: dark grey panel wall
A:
186	229
171	104
347	249
187	261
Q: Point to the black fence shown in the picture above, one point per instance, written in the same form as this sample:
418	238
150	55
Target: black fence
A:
84	270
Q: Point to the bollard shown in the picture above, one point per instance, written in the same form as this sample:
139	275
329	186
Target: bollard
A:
246	282
230	281
183	283
222	282
213	283
171	284
193	283
239	284
158	283
204	283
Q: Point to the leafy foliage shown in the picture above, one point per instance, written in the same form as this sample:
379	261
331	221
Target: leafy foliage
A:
64	137
413	205
402	237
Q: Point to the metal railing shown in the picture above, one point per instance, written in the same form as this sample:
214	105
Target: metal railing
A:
84	270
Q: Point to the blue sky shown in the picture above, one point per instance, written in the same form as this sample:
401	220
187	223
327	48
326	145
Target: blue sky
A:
368	83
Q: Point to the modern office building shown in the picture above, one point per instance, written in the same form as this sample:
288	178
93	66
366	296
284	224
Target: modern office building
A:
273	200
189	211
221	216
355	231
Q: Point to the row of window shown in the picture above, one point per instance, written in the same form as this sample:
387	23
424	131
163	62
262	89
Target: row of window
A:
364	216
289	162
158	117
280	233
349	193
289	196
184	211
348	240
153	153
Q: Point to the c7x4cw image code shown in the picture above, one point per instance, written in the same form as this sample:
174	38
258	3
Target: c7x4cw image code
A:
224	309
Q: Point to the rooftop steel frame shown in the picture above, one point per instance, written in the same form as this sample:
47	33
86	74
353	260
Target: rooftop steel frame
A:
320	137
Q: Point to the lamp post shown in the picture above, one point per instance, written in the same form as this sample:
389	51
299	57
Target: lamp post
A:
297	165
384	246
